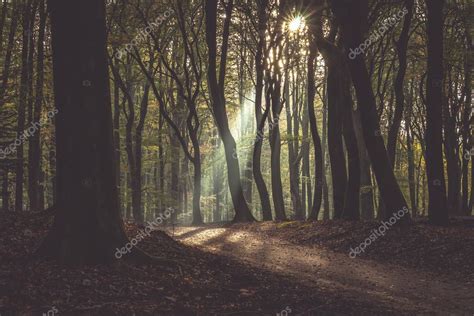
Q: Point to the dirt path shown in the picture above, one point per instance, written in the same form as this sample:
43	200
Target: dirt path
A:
405	290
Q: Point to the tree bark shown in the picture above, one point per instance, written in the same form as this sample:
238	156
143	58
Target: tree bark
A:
437	207
259	117
318	164
22	104
401	46
5	192
35	156
87	228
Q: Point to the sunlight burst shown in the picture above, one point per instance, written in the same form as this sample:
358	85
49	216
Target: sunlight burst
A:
295	24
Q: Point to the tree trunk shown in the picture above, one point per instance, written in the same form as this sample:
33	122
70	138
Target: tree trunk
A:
437	208
366	192
275	148
351	209
87	228
116	126
318	156
3	16
260	118
35	157
5	192
22	104
292	136
401	46
8	54
466	129
338	95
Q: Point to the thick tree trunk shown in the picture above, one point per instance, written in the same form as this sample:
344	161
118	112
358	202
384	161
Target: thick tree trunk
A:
352	195
87	228
437	208
366	191
338	94
350	15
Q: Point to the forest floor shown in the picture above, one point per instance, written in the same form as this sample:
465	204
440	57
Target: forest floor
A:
291	268
418	269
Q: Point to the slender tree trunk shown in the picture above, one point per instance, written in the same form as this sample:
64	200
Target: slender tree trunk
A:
52	169
467	136
307	188
338	94
5	192
451	151
216	174
138	210
437	208
3	16
411	167
318	164
35	157
401	46
261	118
19	168
324	149
8	54
116	125
293	165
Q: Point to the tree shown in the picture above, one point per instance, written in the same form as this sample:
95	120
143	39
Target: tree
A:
260	65
216	87
87	227
35	189
351	16
311	91
437	207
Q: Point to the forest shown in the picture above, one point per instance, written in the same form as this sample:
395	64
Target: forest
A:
236	157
